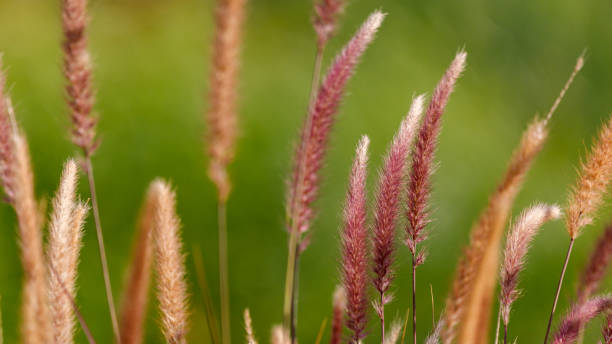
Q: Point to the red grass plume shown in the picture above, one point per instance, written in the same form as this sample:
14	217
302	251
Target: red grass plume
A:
519	239
390	183
315	133
326	19
580	315
419	186
169	263
606	331
596	267
78	73
18	183
135	297
339	304
222	114
354	245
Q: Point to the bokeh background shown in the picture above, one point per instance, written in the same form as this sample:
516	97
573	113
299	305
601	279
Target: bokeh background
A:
151	67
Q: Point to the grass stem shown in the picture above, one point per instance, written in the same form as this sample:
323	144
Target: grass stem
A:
414	331
223	274
554	306
103	260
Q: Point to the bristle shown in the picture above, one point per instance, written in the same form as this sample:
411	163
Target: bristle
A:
593	180
326	19
517	244
354	245
387	201
78	74
135	297
339	311
65	234
311	150
169	263
434	337
580	315
248	325
419	187
222	114
482	253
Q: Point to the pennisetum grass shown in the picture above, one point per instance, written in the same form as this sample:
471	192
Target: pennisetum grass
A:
519	239
586	197
419	186
135	298
222	128
355	247
65	234
248	326
474	282
390	184
579	315
339	310
80	98
606	330
394	333
18	182
595	269
169	265
308	159
279	335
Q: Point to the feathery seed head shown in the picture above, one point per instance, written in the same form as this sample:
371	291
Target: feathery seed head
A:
78	74
326	19
580	315
419	187
354	245
587	195
339	304
391	179
311	149
596	267
248	325
517	244
222	115
6	142
171	285
280	335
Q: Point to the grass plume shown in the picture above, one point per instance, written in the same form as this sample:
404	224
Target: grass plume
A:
339	311
419	185
169	264
248	326
519	239
581	314
65	236
596	267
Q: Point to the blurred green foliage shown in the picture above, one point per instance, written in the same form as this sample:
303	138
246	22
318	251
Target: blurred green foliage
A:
152	59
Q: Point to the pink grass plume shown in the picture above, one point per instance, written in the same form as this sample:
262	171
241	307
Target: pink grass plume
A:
596	267
354	245
339	310
522	233
326	19
581	314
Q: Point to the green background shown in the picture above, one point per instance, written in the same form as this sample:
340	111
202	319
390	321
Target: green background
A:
151	66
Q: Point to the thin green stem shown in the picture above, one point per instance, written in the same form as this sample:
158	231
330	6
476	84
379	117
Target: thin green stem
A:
101	249
211	317
554	306
223	274
291	287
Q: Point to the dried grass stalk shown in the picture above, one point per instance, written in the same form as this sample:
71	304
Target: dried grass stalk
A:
169	264
65	234
248	325
355	246
580	315
135	298
222	114
519	239
472	292
18	183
